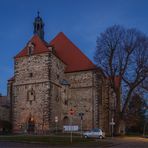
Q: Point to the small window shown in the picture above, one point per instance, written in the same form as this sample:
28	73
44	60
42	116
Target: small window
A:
16	63
58	76
30	75
31	96
30	48
38	26
66	102
30	51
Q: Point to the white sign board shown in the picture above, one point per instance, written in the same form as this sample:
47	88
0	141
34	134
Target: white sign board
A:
68	128
112	123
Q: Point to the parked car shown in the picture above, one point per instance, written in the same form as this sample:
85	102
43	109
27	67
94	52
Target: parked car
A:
94	133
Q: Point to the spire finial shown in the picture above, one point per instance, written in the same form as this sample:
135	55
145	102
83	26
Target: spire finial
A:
39	26
38	12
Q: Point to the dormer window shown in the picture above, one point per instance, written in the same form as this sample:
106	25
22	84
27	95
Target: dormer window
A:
30	48
50	48
29	51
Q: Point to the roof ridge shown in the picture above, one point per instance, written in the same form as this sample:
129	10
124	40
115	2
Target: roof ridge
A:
66	50
61	33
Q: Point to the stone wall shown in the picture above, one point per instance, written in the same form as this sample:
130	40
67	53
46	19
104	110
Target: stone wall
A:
31	92
37	92
4	109
56	75
81	97
4	113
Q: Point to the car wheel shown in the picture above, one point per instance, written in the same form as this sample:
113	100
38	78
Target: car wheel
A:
100	137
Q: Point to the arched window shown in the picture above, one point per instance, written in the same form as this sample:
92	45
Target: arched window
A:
65	120
30	48
31	96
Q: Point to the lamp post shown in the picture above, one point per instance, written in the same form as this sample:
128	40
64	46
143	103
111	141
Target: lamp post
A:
112	123
56	121
71	112
81	118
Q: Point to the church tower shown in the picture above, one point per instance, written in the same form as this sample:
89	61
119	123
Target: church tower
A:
39	26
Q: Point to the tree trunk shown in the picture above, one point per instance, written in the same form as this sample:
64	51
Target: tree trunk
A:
119	125
119	118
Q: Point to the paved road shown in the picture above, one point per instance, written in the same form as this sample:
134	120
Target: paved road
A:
116	143
129	142
21	145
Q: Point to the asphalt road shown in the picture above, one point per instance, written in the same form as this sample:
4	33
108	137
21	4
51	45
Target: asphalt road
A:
127	142
21	145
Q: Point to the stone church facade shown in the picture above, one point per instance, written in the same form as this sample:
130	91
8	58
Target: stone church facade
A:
50	79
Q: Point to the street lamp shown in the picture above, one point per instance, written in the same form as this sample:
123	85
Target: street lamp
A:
112	123
81	117
71	112
56	121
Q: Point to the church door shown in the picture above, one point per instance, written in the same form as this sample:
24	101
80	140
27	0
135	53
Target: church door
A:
31	125
65	120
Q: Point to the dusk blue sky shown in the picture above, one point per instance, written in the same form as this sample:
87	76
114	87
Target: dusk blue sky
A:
81	20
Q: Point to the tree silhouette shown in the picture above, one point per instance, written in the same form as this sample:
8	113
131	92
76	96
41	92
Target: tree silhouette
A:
123	53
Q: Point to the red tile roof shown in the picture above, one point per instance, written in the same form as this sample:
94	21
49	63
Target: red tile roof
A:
40	47
64	49
70	54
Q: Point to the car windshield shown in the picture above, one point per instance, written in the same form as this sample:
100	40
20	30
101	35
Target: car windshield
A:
96	130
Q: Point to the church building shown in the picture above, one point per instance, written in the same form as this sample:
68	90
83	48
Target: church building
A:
54	83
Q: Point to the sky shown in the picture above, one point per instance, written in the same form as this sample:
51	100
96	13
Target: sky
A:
80	20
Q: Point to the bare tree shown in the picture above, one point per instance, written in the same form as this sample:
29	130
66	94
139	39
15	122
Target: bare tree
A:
123	53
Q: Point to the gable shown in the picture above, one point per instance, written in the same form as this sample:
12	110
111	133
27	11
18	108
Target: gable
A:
65	50
39	47
70	54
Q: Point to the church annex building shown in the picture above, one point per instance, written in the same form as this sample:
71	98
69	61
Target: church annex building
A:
50	79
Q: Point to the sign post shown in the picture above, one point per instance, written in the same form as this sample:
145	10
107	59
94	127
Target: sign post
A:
112	123
71	112
81	117
56	121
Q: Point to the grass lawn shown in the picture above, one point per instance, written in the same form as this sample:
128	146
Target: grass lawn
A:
55	140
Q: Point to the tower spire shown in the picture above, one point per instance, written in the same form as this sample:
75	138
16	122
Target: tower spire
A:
38	13
39	26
